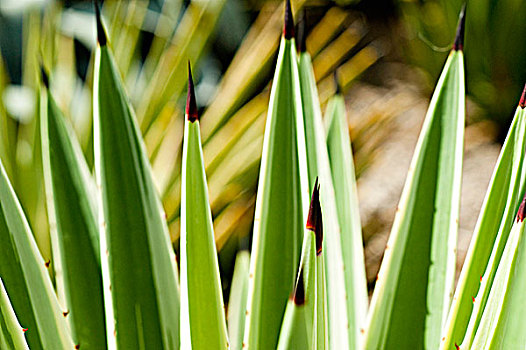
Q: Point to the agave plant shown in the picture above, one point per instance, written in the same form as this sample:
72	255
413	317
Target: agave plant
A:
232	124
302	286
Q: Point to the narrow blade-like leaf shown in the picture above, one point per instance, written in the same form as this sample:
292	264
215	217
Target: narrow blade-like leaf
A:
203	324
315	223
299	328
407	314
322	326
489	237
72	212
237	302
11	333
346	287
138	263
502	325
346	196
25	277
281	202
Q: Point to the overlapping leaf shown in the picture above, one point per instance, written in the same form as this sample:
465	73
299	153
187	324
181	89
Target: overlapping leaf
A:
502	324
489	238
299	328
237	301
346	197
280	206
203	324
25	277
11	333
138	264
72	211
405	313
345	272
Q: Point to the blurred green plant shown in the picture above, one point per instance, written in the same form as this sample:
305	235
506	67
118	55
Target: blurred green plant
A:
494	59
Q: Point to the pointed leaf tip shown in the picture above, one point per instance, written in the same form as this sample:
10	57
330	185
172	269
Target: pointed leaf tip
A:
521	213
191	105
288	27
458	45
314	219
301	35
522	102
338	90
299	291
44	76
101	34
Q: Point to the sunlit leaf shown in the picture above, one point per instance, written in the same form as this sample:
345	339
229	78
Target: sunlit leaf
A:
237	304
501	325
25	277
280	205
203	324
489	238
138	264
422	243
11	333
346	196
72	211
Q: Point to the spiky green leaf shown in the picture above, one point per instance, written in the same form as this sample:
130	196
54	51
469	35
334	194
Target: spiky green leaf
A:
489	238
345	269
11	333
138	263
422	243
502	324
203	324
280	206
298	330
322	326
25	277
237	302
346	196
71	199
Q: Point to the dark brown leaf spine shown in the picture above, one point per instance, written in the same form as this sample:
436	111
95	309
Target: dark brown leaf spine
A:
288	27
101	34
314	219
299	291
521	213
458	45
44	76
191	105
522	102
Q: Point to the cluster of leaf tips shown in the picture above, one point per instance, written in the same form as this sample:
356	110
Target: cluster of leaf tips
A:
303	285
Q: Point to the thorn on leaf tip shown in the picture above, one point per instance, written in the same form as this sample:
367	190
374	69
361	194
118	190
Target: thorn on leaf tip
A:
191	105
299	291
458	44
288	27
522	102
